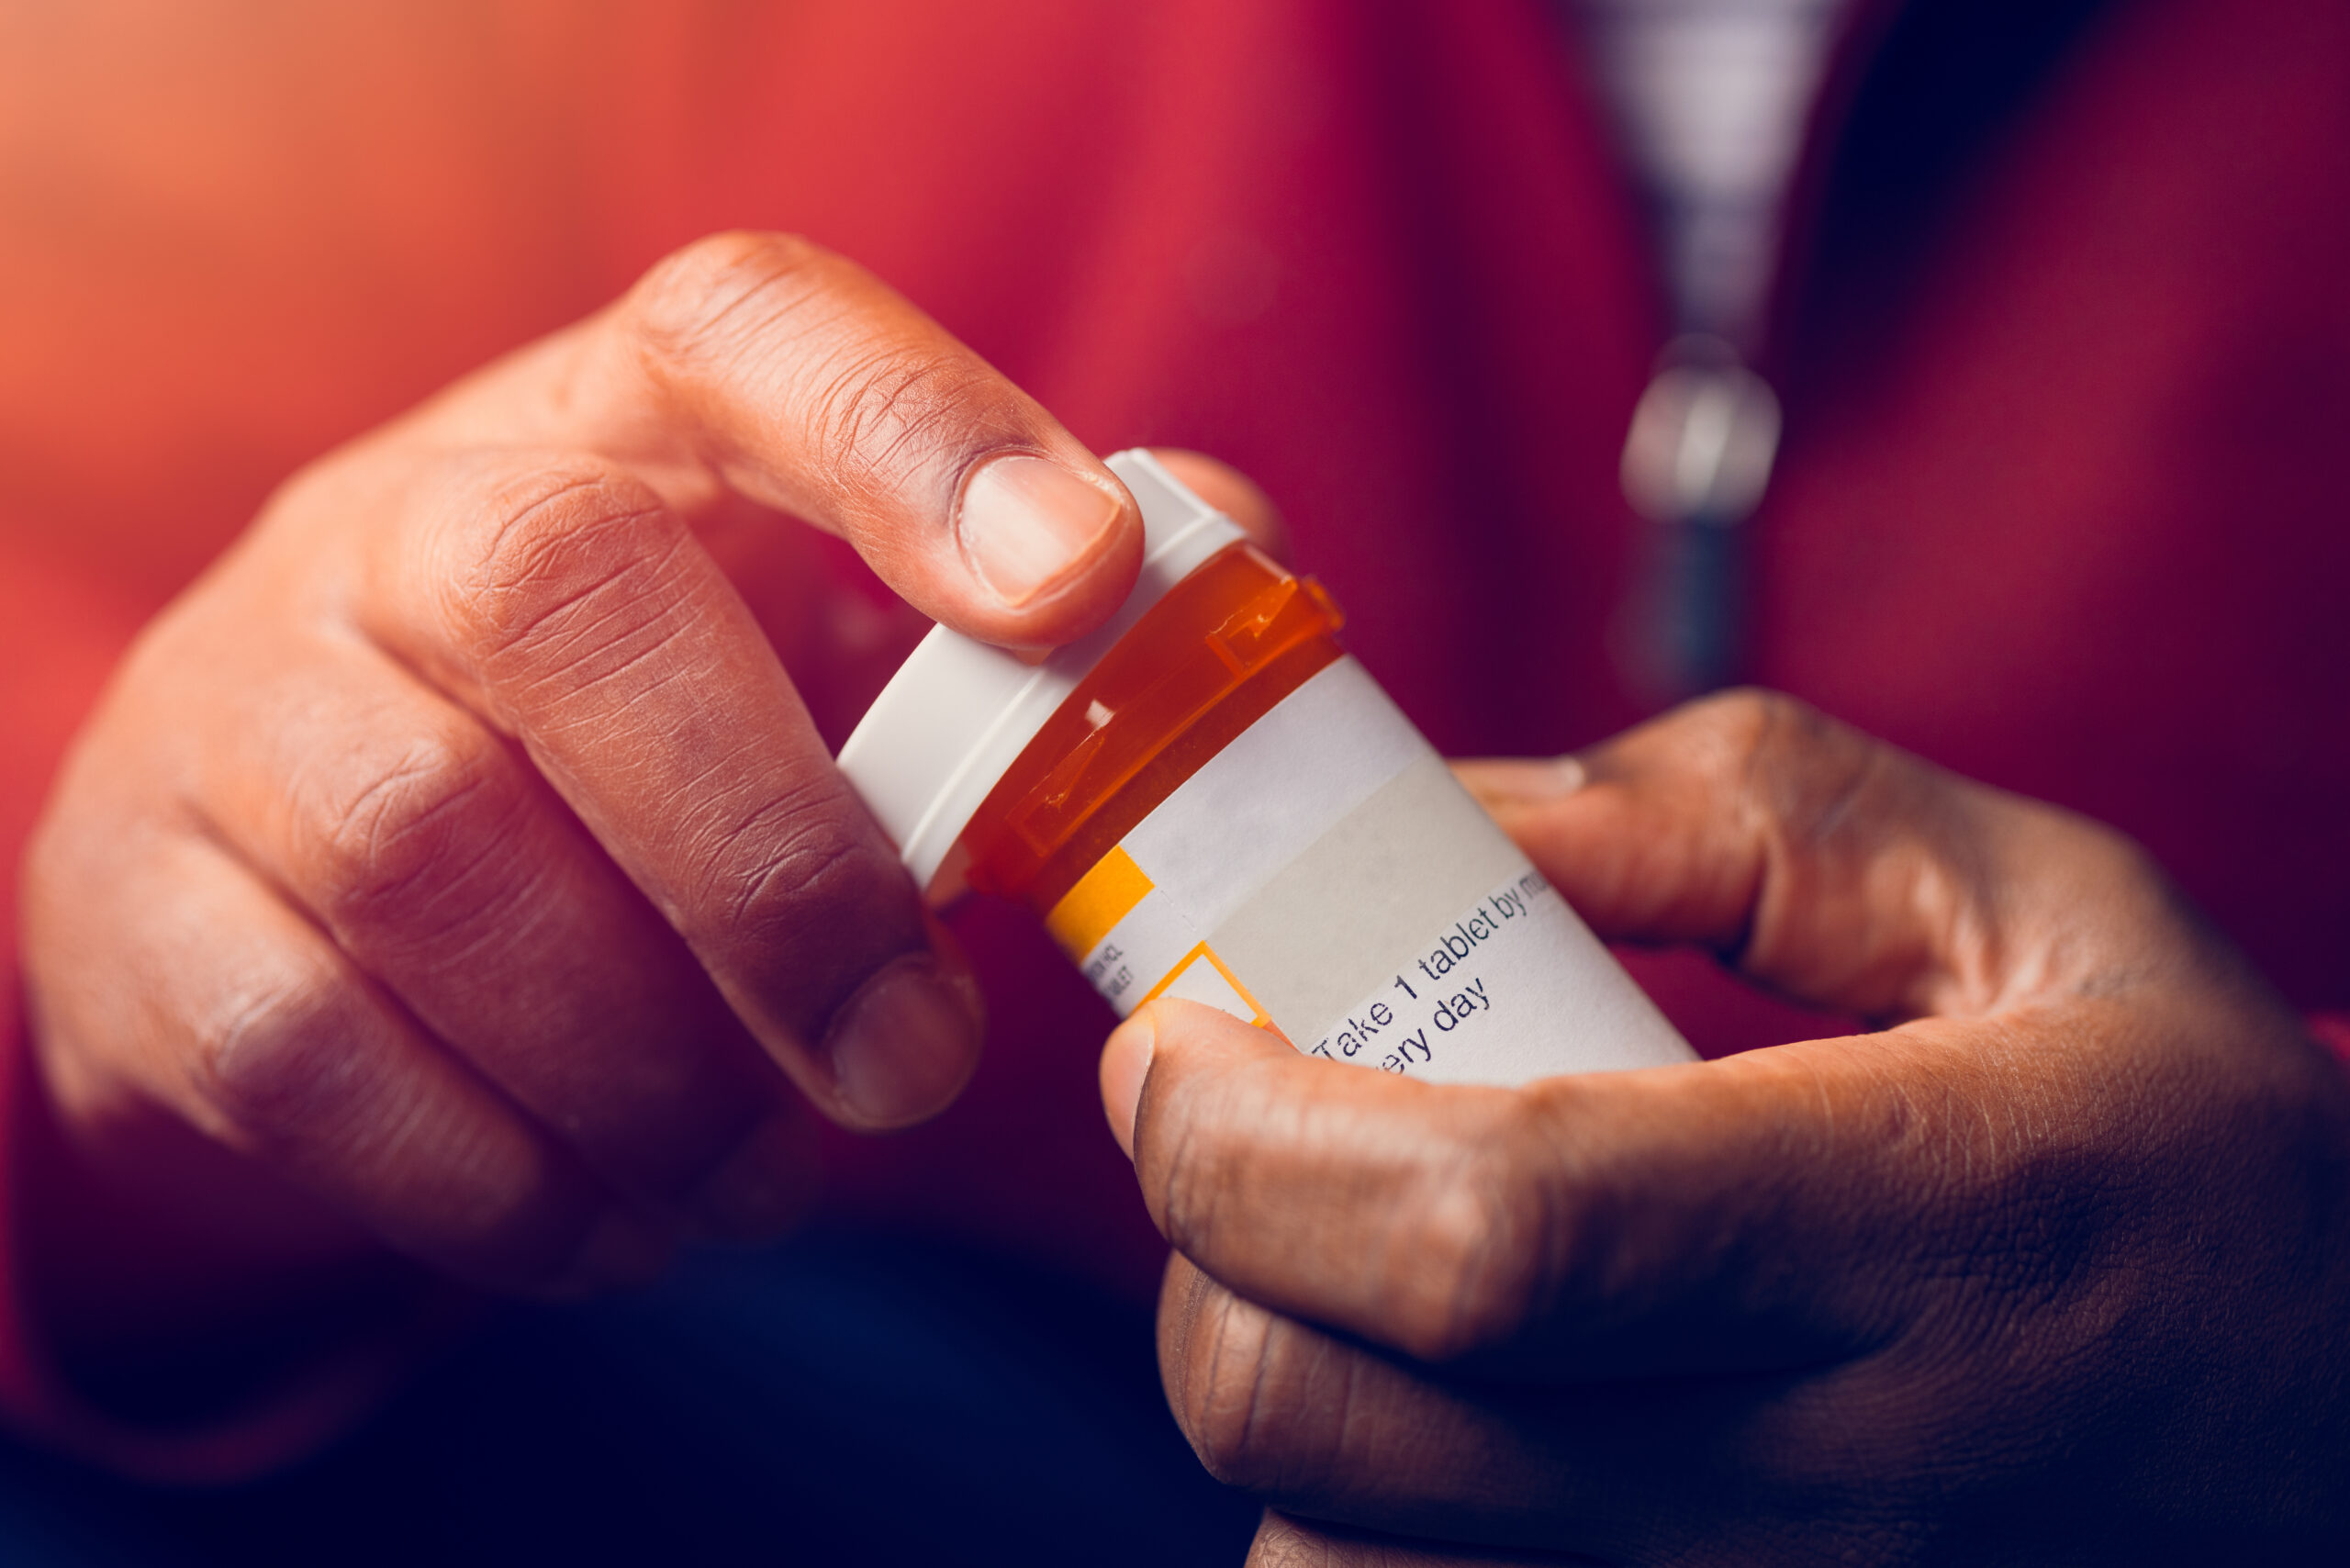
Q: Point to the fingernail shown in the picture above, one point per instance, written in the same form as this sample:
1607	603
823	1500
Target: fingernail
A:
1126	1063
904	1043
1025	522
1524	781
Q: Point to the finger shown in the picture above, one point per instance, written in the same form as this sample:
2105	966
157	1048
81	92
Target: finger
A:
1231	492
1697	1217
1431	1471
448	871
225	1005
1787	1208
1309	1422
1829	866
769	366
578	613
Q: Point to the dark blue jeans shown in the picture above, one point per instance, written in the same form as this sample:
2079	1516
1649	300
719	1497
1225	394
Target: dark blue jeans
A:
843	1399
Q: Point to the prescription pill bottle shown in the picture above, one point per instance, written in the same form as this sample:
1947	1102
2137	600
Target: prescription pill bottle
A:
1208	799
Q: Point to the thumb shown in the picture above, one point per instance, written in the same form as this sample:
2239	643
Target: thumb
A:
1674	1219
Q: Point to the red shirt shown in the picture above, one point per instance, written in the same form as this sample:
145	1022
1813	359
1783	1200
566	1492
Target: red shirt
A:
2066	354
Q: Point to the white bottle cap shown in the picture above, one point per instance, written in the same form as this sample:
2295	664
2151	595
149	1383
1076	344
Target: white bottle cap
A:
959	712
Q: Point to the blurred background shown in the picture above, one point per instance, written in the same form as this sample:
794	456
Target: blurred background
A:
1974	371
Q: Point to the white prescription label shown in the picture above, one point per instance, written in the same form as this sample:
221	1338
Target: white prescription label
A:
1324	876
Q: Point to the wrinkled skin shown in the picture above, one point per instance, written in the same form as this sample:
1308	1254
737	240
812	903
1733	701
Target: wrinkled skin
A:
454	874
2052	1267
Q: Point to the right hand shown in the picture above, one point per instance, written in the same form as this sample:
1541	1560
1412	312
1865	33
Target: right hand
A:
453	868
2050	1266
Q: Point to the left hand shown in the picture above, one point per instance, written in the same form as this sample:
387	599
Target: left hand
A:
2054	1268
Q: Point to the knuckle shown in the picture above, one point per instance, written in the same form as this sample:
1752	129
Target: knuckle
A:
1474	1252
405	832
876	399
1748	728
706	300
568	558
885	409
279	1057
1260	1396
1789	765
797	875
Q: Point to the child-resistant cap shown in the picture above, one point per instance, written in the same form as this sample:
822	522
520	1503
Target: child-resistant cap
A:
958	713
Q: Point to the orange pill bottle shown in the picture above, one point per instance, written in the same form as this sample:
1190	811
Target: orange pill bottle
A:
1208	799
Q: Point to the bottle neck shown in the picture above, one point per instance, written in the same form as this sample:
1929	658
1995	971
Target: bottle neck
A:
1211	658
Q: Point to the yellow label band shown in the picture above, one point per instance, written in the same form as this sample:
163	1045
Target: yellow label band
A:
1102	898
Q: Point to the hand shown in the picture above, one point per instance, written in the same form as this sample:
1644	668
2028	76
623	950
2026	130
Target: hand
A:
455	869
2054	1267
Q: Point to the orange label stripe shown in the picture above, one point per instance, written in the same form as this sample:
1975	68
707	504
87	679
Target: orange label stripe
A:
1261	1018
1102	897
